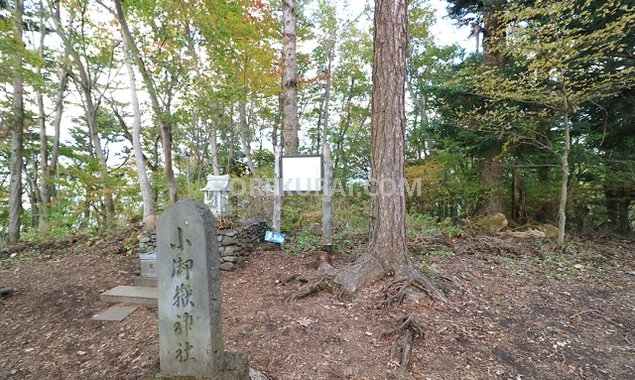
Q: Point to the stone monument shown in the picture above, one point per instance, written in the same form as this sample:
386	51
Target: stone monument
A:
189	297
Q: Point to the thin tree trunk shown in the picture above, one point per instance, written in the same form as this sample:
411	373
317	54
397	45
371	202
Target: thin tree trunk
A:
564	159
164	125
45	184
59	111
213	148
32	188
144	182
421	104
17	134
244	135
91	118
289	83
277	190
327	97
45	198
327	202
345	122
230	146
518	196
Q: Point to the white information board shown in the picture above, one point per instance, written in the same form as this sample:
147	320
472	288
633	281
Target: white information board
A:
301	174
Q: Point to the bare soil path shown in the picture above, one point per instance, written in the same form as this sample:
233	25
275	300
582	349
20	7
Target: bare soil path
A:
512	315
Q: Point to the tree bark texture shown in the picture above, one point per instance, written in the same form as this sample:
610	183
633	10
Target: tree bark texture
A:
17	134
490	178
387	254
289	78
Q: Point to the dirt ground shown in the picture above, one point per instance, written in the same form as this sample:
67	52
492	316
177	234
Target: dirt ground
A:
517	310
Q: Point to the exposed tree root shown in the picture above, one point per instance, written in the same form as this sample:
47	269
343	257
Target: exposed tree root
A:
363	271
397	290
403	347
322	283
292	277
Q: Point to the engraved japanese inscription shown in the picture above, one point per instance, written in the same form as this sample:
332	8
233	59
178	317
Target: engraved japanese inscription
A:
190	333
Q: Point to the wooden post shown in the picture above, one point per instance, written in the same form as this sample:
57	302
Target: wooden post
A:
327	205
277	191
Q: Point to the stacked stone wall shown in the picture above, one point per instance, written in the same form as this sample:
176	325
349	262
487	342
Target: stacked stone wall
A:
234	245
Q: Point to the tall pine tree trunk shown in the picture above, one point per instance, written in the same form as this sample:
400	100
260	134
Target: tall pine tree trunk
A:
17	133
289	81
387	235
388	208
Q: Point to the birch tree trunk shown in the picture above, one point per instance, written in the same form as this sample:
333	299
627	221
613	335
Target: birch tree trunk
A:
144	182
162	117
17	133
289	81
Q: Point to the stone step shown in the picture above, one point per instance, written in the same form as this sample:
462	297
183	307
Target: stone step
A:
149	282
115	313
142	295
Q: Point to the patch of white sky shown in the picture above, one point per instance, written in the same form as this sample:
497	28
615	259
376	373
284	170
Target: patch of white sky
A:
445	30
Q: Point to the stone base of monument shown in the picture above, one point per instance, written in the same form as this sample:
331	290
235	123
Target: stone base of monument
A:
149	282
235	367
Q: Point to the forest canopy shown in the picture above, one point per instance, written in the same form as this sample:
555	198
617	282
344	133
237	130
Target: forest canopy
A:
111	110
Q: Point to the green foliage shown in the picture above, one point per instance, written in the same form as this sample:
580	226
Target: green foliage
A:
207	57
303	242
447	186
424	225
